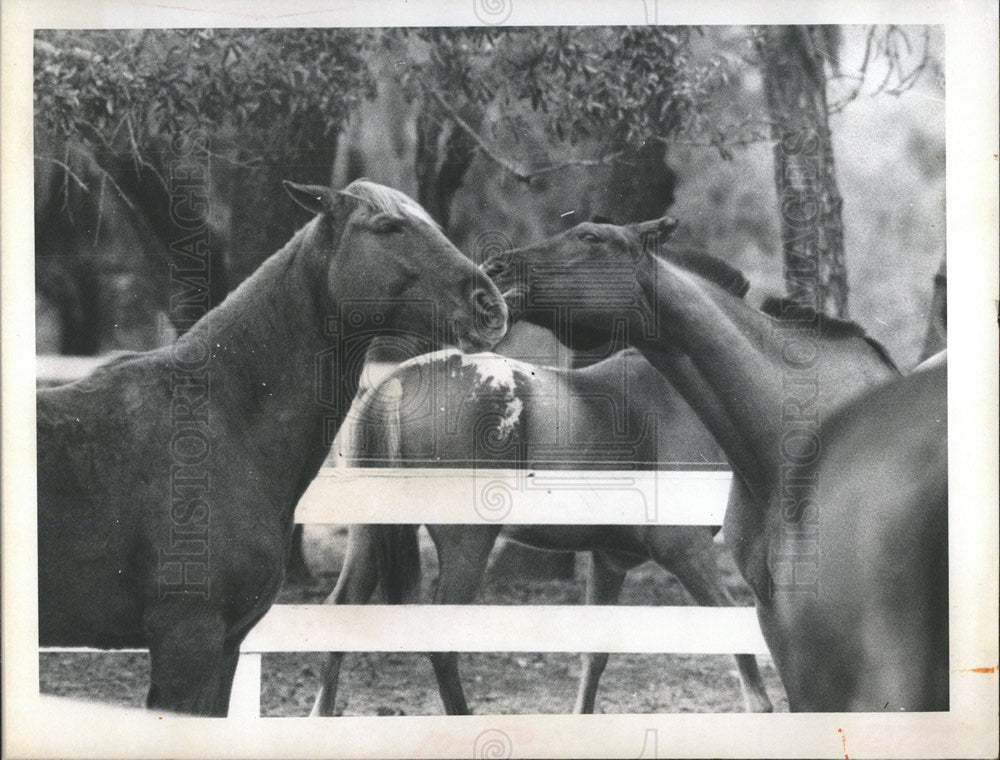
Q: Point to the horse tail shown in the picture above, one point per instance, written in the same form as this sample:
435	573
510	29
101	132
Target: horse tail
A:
378	435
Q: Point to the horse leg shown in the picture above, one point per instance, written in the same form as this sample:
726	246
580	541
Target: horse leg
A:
296	569
191	666
355	585
686	551
604	583
227	671
463	551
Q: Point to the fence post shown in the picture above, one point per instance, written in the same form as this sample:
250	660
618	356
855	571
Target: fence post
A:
244	702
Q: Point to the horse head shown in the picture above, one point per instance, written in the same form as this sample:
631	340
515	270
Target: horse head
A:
585	284
371	239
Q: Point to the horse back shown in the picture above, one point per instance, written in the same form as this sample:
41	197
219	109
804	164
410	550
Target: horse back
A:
123	498
452	409
644	416
444	409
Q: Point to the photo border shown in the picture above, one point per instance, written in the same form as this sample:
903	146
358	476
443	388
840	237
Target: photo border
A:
39	726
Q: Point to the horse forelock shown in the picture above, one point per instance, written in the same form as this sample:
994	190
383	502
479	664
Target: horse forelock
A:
789	311
386	200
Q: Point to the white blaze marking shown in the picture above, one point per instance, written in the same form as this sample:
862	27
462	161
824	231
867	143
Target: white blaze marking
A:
511	415
494	371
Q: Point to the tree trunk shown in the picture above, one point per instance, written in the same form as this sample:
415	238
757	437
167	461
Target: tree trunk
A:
444	154
811	226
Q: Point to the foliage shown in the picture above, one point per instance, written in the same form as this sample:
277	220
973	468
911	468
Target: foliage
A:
622	85
618	86
625	85
105	86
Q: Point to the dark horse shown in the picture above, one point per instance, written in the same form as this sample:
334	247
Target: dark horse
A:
502	413
837	518
167	481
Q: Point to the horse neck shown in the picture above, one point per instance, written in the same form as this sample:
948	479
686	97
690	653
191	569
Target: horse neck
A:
736	367
265	340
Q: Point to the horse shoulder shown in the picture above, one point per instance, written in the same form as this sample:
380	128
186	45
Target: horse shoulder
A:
871	536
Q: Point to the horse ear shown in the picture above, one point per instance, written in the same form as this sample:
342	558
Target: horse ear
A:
656	232
314	198
664	226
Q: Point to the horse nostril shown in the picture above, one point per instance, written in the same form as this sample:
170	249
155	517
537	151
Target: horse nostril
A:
484	302
490	311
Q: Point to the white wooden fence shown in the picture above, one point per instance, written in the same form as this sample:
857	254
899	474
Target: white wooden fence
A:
413	495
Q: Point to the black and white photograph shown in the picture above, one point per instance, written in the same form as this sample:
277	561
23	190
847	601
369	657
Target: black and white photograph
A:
580	371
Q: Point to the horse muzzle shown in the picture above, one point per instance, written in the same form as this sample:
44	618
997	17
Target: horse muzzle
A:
488	324
508	276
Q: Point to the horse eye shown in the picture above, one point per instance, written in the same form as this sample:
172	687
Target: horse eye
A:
385	223
590	237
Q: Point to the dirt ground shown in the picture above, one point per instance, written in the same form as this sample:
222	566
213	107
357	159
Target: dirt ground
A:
392	683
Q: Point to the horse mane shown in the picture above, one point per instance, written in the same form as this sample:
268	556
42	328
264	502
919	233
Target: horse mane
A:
715	270
786	309
386	200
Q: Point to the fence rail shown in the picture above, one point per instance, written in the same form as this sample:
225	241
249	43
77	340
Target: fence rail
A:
54	369
474	495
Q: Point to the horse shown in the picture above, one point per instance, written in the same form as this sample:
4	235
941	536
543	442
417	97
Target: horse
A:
167	480
769	389
892	506
618	413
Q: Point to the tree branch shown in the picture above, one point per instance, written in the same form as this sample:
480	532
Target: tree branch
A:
602	161
66	168
116	186
105	176
139	160
520	172
887	47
